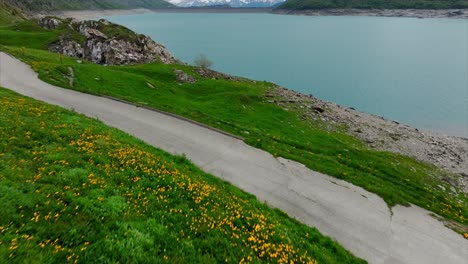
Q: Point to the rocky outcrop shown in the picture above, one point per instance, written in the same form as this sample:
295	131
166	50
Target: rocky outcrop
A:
183	77
106	43
68	48
207	73
49	22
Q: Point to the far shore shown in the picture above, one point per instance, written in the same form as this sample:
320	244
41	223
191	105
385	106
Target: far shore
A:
213	10
415	13
94	14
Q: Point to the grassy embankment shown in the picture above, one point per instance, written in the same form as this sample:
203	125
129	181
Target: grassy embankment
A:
74	190
373	4
240	107
10	14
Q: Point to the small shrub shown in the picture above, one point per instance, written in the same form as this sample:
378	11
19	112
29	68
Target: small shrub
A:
203	62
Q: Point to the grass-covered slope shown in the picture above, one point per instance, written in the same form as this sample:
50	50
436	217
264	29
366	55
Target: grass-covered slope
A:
73	190
373	4
241	107
51	5
28	34
10	14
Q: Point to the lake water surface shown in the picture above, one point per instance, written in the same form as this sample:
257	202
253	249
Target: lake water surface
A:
407	69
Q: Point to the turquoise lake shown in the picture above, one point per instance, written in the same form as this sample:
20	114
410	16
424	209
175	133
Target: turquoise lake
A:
411	70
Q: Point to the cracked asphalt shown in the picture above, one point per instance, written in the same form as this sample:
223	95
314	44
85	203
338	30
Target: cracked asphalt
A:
359	220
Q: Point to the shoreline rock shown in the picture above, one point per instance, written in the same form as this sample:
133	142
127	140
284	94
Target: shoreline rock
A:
415	13
448	153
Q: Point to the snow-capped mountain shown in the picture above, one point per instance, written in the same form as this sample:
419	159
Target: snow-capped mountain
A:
233	3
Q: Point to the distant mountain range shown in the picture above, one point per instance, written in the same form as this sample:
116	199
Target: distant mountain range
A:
373	4
50	5
232	3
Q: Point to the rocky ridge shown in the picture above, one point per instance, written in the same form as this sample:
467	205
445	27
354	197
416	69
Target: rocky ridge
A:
446	152
103	42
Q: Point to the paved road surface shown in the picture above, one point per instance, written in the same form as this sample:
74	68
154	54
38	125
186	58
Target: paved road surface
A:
359	220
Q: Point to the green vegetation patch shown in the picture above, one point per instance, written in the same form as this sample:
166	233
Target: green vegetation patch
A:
10	14
75	191
28	34
374	4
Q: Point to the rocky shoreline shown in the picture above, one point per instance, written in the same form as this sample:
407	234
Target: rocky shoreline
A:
448	153
416	13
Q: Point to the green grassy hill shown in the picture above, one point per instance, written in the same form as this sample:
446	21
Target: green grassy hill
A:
373	4
50	5
75	191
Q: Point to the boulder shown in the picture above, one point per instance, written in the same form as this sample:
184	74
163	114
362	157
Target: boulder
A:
93	33
183	77
49	22
104	22
318	109
68	48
